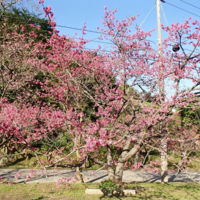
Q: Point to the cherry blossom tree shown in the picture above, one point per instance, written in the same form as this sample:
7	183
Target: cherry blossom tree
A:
21	111
130	114
30	5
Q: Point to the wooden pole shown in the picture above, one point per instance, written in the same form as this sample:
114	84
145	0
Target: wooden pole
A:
164	163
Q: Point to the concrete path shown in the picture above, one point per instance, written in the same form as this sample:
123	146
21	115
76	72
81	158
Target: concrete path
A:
55	175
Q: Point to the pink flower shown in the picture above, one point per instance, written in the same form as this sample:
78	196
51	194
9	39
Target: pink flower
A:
28	177
18	175
41	1
9	183
0	178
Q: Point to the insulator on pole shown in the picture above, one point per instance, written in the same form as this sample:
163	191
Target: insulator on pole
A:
176	47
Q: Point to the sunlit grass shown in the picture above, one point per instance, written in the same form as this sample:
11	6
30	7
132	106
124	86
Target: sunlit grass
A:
153	191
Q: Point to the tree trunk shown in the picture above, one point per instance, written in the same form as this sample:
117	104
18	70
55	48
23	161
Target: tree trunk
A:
79	174
4	152
110	169
164	163
79	170
136	157
119	173
78	157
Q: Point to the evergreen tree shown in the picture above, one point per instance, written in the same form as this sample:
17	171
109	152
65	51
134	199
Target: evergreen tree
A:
30	21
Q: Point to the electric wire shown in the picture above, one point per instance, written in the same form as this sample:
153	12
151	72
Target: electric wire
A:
190	4
96	41
62	26
166	21
67	27
147	15
74	28
139	26
165	18
79	29
183	9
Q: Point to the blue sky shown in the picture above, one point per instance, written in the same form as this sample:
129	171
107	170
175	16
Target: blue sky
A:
73	13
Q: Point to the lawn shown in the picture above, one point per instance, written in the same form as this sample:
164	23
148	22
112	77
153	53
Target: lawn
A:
184	191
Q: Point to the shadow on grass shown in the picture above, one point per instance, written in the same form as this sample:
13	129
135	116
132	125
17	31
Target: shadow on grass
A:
169	191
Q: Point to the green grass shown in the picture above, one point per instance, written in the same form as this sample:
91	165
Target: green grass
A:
171	191
24	164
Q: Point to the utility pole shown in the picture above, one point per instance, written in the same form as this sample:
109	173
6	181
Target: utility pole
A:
159	28
164	163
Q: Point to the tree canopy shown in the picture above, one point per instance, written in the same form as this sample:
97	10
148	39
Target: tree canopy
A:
127	120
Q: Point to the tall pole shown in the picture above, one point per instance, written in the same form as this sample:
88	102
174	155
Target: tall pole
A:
164	163
159	28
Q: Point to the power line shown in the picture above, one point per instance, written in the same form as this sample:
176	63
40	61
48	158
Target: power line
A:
183	9
69	28
62	27
147	15
192	50
79	29
97	41
164	15
190	4
101	50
